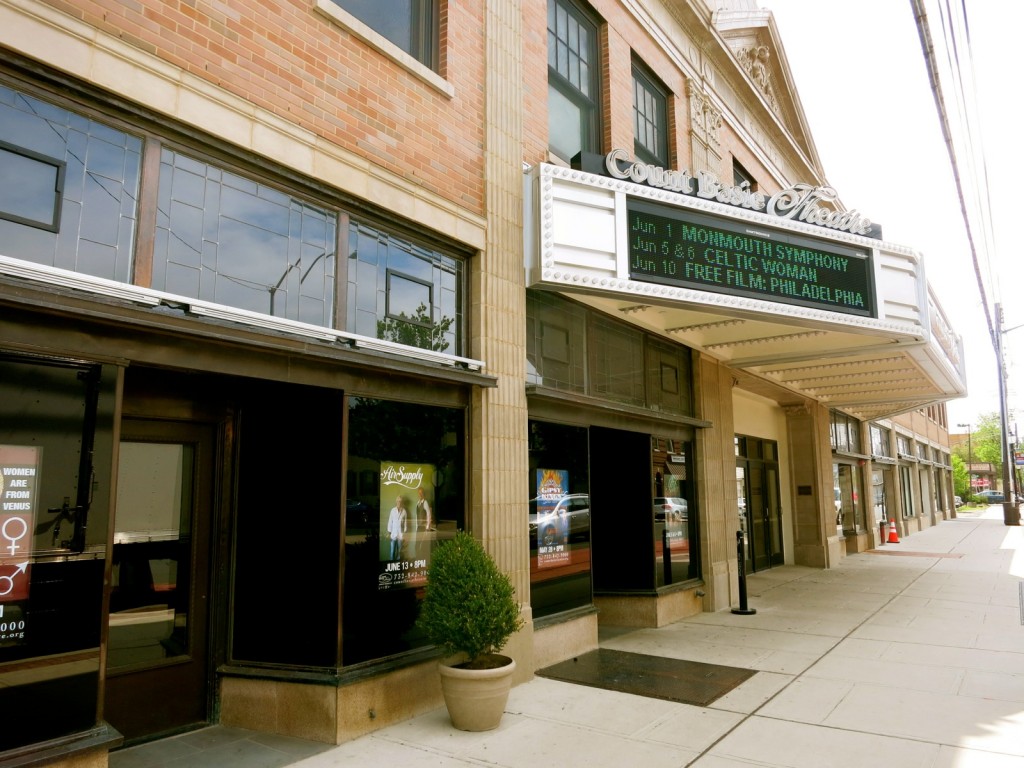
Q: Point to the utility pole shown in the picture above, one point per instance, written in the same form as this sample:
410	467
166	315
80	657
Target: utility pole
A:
1011	508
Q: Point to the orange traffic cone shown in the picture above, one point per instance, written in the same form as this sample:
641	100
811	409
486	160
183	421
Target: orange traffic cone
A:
893	536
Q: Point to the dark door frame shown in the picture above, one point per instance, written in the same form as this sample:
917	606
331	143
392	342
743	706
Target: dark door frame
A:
158	715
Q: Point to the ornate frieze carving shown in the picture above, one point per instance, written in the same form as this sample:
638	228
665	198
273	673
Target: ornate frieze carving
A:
755	60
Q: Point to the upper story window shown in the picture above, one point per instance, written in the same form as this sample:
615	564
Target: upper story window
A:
880	437
412	25
650	118
741	176
574	64
904	446
573	349
69	187
845	433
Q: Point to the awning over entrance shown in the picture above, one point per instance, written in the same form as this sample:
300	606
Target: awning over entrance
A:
844	319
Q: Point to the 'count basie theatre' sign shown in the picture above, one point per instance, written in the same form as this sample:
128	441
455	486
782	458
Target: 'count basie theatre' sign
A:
677	246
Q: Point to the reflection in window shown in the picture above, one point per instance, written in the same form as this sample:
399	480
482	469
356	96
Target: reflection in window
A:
97	208
560	569
30	188
223	238
412	25
403	292
675	528
845	433
879	440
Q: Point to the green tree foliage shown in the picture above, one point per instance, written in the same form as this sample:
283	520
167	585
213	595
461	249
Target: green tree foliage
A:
960	479
986	440
420	330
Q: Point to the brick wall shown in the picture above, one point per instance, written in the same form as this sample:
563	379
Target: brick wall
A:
285	57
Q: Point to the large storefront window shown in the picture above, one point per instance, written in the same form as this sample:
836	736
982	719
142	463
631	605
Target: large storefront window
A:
405	494
287	526
56	422
230	240
403	292
559	518
69	187
847	482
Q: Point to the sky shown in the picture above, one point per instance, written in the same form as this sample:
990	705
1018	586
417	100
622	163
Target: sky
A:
863	83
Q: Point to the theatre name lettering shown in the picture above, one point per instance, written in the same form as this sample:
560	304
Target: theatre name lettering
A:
801	202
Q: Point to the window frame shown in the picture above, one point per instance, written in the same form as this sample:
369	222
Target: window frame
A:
741	175
434	75
644	79
589	105
58	198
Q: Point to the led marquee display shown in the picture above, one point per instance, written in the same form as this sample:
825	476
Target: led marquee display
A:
677	247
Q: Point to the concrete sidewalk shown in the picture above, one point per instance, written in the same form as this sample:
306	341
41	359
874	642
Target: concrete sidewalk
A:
912	655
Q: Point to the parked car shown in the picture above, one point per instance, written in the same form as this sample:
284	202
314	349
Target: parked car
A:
574	506
958	502
669	508
990	497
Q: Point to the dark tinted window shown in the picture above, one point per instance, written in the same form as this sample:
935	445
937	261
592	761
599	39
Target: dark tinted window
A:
405	495
650	118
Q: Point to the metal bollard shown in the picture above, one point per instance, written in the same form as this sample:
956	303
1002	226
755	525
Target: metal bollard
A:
741	570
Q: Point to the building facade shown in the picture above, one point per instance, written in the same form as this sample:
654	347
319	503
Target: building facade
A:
291	292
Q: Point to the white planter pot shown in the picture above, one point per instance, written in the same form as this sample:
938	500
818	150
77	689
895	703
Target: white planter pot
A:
476	697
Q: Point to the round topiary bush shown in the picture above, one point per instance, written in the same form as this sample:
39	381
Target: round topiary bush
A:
469	606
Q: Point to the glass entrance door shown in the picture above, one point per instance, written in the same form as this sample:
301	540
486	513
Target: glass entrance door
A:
157	632
759	500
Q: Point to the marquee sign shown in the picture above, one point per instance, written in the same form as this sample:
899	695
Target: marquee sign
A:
674	246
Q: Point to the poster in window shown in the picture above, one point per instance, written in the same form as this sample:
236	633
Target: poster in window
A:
408	523
552	518
19	476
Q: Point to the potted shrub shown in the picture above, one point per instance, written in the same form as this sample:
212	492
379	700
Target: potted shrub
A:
469	611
